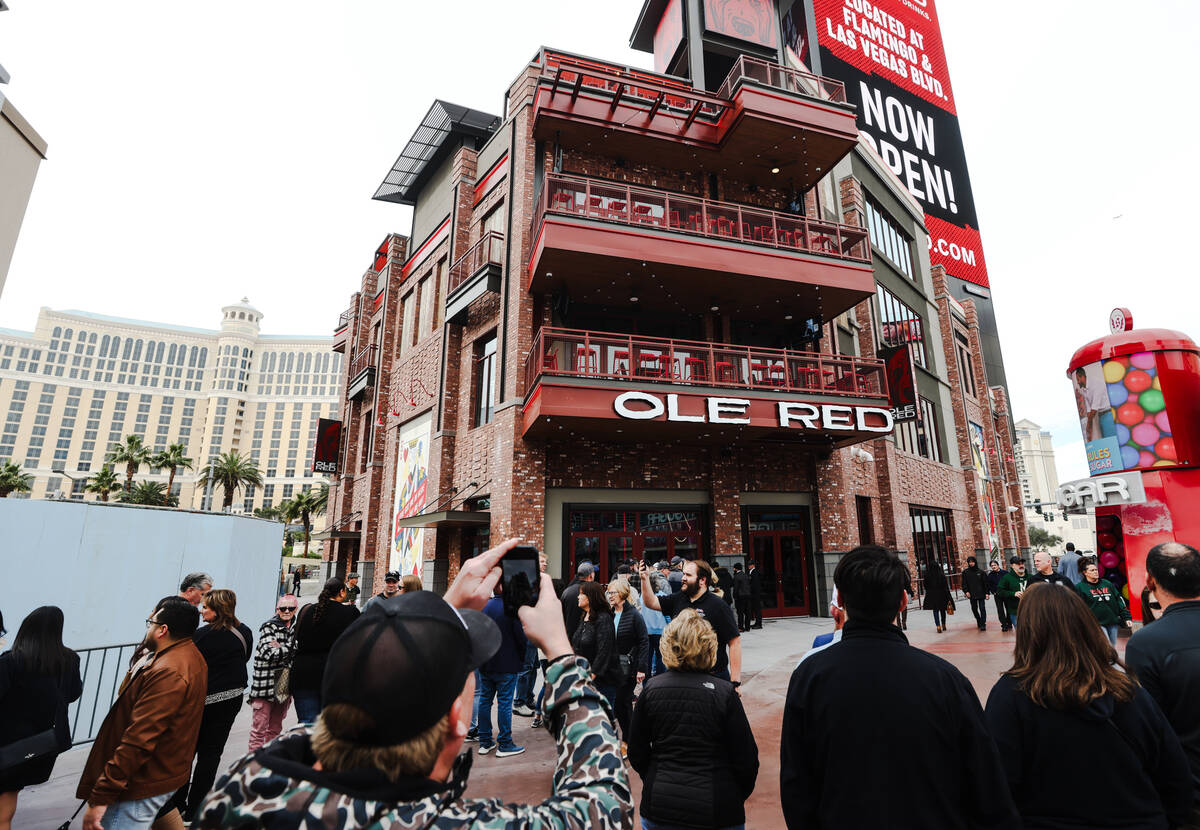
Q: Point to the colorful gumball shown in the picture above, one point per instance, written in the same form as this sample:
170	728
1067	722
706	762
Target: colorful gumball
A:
1160	421
1113	371
1165	463
1152	401
1146	459
1129	413
1104	522
1106	541
1109	559
1157	383
1145	434
1137	381
1130	457
1166	448
1117	394
1142	360
1123	435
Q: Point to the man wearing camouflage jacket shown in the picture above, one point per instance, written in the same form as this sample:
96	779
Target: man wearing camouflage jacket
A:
406	735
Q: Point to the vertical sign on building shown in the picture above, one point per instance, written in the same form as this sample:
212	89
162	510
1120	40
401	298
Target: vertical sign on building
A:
412	471
889	55
327	447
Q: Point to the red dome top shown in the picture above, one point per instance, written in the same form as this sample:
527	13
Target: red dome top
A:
1132	342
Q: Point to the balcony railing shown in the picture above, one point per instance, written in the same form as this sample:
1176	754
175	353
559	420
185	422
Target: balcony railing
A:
679	213
781	77
489	250
345	317
604	356
364	359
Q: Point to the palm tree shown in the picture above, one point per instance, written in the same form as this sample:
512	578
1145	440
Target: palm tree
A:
304	506
133	453
171	459
146	492
232	471
12	480
103	482
267	513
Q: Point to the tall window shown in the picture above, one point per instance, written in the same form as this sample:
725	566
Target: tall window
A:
485	379
425	319
899	325
966	371
932	543
919	436
889	240
406	326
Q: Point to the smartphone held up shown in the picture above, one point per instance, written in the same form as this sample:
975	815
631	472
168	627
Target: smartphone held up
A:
520	577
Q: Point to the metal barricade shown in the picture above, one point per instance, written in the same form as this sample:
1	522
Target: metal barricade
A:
102	669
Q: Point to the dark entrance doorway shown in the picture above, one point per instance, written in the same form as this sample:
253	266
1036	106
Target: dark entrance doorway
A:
779	545
607	536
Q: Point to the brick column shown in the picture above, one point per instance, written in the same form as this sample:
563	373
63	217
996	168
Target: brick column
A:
726	502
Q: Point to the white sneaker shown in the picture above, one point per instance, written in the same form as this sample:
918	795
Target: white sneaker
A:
523	710
512	750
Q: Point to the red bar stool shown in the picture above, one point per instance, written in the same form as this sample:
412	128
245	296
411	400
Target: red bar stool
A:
723	372
620	356
668	367
650	366
550	362
697	368
585	360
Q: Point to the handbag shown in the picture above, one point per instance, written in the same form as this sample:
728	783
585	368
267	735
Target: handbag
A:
29	749
950	607
66	824
283	684
626	664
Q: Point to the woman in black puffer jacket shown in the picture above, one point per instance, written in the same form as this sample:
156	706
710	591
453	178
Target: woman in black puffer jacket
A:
690	739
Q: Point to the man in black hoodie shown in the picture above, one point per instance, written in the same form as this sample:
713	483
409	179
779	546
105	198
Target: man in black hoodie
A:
929	716
975	586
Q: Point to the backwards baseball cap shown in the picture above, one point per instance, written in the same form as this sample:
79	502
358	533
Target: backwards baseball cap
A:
391	576
404	661
1013	560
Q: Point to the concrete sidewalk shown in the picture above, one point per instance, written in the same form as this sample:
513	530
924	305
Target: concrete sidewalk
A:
769	656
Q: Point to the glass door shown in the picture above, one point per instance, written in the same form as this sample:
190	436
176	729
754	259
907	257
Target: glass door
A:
762	551
793	573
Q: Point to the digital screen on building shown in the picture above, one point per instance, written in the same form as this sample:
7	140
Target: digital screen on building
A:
752	20
668	35
889	55
1123	414
327	447
902	390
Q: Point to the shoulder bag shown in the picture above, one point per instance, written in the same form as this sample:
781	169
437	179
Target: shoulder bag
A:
28	749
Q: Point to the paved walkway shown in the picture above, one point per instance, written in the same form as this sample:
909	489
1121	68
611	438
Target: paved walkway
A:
769	656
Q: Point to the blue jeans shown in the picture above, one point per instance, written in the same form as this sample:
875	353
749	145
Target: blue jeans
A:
1012	620
939	617
478	695
1111	631
501	688
133	815
308	705
656	663
527	679
647	824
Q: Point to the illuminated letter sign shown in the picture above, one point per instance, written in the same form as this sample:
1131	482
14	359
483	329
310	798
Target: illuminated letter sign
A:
621	405
325	450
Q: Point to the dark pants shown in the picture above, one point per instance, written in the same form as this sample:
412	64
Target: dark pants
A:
624	704
527	679
939	617
756	611
979	609
657	666
308	704
742	604
1002	614
215	724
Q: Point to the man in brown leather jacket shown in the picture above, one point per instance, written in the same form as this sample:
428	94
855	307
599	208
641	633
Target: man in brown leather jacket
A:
144	749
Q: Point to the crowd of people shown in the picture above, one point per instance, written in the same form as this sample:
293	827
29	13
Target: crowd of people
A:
387	698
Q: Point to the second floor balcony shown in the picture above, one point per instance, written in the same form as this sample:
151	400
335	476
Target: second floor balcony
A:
341	332
363	367
589	232
475	273
764	120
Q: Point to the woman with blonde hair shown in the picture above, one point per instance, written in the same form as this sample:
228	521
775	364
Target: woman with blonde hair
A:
226	644
689	738
1068	712
633	647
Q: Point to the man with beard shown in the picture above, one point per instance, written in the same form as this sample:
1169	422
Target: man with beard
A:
391	588
143	752
694	593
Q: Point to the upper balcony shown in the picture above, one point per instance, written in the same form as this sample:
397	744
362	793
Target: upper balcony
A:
473	274
643	387
363	366
587	234
765	121
341	332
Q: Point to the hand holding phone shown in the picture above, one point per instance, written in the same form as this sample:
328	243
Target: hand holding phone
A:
520	577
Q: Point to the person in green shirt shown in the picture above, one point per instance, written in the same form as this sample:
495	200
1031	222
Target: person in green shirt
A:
1104	601
1011	586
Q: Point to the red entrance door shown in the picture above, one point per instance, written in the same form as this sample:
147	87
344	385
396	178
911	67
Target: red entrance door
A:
782	557
608	549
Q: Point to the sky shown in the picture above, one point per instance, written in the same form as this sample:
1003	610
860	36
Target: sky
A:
199	154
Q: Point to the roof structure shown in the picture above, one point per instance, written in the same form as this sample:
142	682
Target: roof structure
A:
443	121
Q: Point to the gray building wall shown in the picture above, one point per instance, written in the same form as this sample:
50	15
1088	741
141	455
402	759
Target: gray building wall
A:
21	153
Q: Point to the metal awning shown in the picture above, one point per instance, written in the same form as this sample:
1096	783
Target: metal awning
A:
441	122
447	518
335	534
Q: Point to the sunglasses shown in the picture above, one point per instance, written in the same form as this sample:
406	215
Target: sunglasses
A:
286	608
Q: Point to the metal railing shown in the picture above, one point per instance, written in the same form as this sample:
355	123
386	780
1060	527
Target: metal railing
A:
664	210
489	250
102	669
600	355
345	318
364	359
780	77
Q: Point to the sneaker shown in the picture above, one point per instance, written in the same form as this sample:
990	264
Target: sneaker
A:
536	723
484	749
472	736
504	753
523	710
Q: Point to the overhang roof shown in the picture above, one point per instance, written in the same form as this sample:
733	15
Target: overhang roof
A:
443	121
642	37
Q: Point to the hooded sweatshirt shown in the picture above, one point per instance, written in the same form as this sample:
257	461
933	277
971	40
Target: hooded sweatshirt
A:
1009	585
1104	600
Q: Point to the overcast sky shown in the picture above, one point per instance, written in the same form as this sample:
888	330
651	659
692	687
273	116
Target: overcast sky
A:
201	153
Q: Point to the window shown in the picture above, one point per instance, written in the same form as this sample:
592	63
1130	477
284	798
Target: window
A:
919	436
425	318
406	326
485	379
866	528
887	238
966	371
932	544
899	325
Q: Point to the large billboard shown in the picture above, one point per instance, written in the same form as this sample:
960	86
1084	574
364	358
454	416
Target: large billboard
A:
1123	413
889	55
412	472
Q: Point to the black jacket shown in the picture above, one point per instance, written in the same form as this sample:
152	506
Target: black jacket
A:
975	583
937	591
755	583
1054	578
314	638
225	655
919	756
596	642
691	743
570	607
1112	765
31	703
741	585
993	580
1166	659
633	640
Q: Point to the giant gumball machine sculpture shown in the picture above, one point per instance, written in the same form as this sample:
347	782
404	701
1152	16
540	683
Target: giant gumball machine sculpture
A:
1138	398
